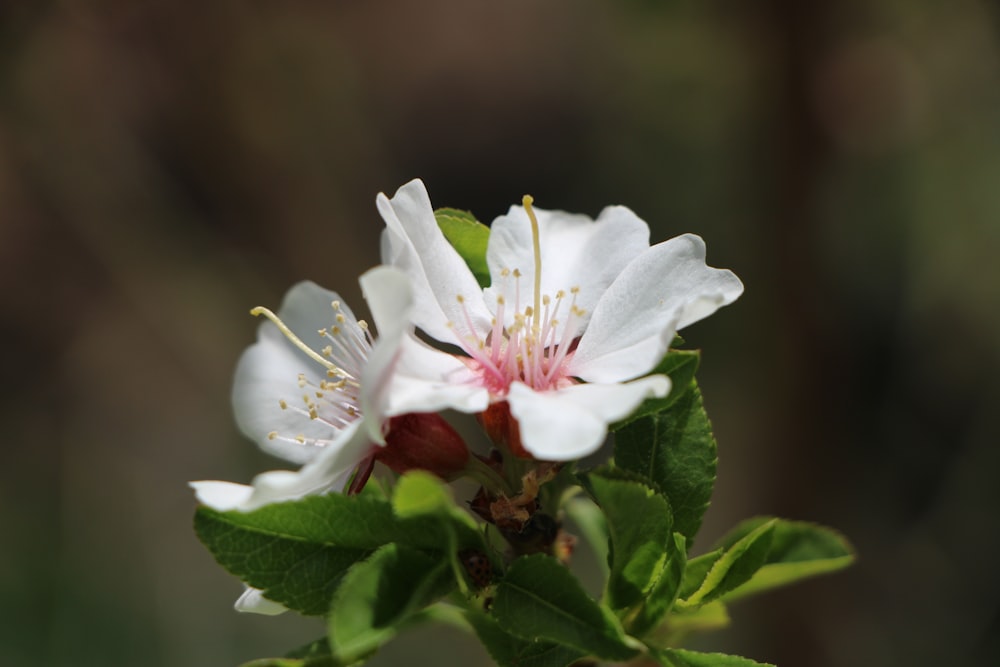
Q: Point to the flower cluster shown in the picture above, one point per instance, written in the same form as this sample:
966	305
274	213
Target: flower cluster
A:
575	315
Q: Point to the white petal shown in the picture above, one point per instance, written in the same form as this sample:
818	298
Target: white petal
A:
404	374
221	496
329	471
253	602
572	422
428	380
438	275
575	251
664	289
268	372
390	299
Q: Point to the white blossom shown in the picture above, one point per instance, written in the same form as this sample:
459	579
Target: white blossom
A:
577	312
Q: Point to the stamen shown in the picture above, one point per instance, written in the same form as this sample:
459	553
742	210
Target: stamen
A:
296	341
527	201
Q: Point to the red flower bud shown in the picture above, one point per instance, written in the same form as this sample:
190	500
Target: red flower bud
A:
423	441
502	428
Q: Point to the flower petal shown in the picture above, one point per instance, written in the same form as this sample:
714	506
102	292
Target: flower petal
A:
664	289
438	275
575	252
390	299
404	374
221	496
572	422
253	602
329	471
428	380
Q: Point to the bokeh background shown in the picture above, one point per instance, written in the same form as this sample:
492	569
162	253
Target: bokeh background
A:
165	166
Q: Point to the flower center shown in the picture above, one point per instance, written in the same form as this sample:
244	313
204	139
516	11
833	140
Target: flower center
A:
333	399
535	347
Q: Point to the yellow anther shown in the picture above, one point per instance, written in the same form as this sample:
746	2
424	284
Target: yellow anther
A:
460	298
283	404
313	414
321	332
340	318
272	435
574	290
301	439
517	273
504	272
327	351
362	325
561	294
546	300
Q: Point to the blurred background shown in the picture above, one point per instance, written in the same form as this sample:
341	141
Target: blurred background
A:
165	166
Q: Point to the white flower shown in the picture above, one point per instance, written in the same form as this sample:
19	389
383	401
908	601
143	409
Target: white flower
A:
313	390
576	311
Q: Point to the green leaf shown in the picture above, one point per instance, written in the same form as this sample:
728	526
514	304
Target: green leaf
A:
293	662
592	525
469	237
661	599
313	654
300	575
510	651
696	571
675	451
421	499
680	366
735	567
378	595
297	552
799	550
639	525
675	657
679	624
539	599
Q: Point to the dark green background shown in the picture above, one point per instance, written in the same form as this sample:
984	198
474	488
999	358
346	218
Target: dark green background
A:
165	166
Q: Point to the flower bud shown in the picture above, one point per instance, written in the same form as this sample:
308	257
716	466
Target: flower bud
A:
502	428
423	441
